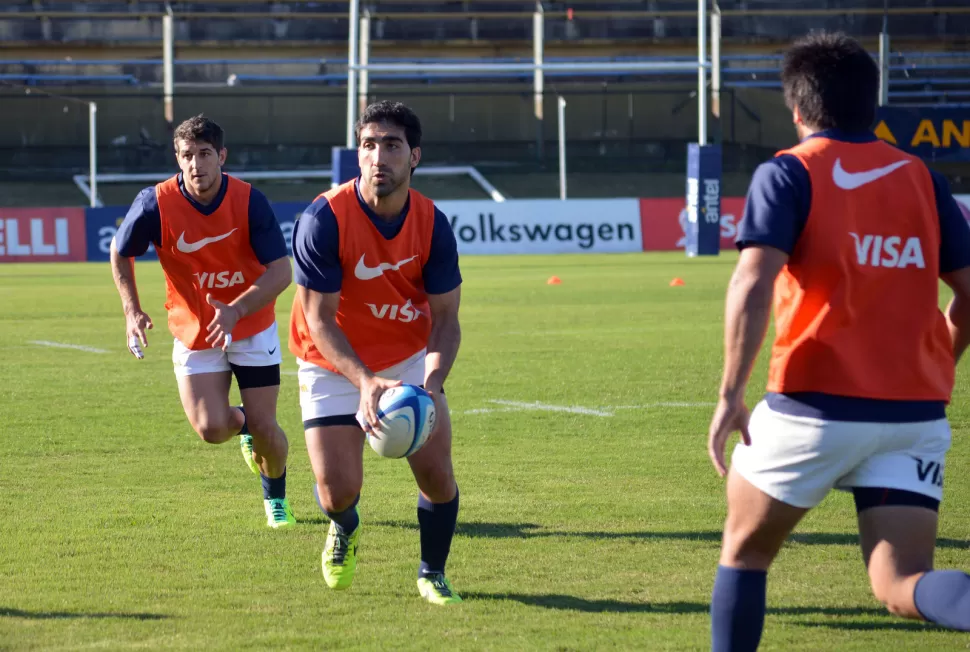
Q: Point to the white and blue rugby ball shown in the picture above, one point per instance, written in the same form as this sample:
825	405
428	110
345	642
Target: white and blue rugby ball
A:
407	417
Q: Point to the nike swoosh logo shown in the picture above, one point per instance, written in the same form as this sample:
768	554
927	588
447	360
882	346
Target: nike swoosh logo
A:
272	351
192	247
365	273
853	180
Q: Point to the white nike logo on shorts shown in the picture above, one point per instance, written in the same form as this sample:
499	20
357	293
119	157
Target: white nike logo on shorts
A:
192	247
852	180
365	273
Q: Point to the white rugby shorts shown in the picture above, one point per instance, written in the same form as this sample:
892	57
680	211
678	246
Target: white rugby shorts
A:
324	393
260	350
798	460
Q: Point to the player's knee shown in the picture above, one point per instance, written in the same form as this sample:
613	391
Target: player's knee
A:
266	429
740	551
213	432
437	484
335	497
900	605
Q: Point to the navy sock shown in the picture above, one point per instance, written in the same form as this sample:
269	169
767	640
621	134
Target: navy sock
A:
943	597
274	487
245	427
346	521
437	522
737	609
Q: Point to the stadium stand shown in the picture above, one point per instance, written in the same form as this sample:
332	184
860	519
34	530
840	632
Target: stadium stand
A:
274	74
747	21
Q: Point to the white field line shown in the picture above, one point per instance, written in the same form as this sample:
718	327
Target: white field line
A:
603	411
61	345
656	405
572	409
491	410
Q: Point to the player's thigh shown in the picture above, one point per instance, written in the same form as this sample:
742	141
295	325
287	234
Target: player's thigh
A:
337	456
756	526
205	399
334	439
259	387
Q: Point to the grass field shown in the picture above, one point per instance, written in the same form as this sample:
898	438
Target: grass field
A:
590	521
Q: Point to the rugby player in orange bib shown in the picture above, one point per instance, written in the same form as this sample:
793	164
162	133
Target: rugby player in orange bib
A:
848	236
225	262
378	288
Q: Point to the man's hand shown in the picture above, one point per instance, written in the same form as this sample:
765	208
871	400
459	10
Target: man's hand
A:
220	328
370	394
136	323
730	414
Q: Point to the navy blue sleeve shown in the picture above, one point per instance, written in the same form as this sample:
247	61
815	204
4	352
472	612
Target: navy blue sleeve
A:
776	209
954	230
265	235
316	248
441	273
141	227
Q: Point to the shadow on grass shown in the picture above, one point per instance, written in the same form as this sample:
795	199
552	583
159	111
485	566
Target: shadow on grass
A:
319	519
486	530
895	625
575	603
6	612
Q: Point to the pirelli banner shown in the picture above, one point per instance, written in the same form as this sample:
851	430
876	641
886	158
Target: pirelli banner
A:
938	134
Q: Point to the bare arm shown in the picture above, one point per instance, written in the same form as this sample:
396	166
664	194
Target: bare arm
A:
444	339
958	312
136	321
321	316
276	278
123	271
746	314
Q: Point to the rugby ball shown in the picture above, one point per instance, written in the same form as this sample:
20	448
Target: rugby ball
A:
406	416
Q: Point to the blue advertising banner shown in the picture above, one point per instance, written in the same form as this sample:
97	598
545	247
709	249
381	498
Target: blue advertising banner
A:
101	224
941	134
703	230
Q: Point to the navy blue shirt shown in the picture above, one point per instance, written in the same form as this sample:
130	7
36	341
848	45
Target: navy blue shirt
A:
775	213
143	223
316	248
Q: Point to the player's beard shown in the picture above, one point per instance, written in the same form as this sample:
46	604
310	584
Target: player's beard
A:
391	184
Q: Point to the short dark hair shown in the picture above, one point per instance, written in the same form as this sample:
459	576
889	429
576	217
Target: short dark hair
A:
200	129
395	113
832	81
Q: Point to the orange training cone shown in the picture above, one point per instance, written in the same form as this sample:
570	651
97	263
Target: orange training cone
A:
677	282
554	280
